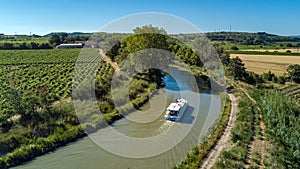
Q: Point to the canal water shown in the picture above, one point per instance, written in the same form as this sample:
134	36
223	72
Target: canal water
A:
143	139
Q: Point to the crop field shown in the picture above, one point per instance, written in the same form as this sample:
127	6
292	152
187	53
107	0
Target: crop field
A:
264	63
16	57
43	71
292	90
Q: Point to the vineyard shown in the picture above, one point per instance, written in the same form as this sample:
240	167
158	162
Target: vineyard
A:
292	90
281	117
241	136
44	71
34	114
16	57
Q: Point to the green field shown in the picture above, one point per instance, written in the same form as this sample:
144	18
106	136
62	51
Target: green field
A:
24	39
12	57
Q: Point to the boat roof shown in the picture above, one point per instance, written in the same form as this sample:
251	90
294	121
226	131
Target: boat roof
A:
174	106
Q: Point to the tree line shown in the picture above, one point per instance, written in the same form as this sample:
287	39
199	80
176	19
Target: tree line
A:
31	45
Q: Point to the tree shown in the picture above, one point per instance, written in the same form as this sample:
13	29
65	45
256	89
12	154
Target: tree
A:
234	48
145	37
44	46
289	45
63	37
8	45
149	29
55	40
269	76
253	78
33	45
294	72
225	58
22	46
237	69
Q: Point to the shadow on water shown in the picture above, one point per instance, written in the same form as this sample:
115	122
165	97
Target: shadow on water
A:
187	117
171	83
183	83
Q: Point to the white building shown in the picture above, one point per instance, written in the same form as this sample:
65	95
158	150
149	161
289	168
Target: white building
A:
70	46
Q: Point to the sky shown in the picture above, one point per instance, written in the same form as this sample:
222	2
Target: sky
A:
281	17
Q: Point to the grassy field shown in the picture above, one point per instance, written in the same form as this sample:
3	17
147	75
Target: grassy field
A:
264	63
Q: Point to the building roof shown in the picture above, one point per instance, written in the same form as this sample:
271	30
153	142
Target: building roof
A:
75	44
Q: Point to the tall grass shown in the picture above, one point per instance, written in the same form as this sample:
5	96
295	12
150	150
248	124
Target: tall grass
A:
281	115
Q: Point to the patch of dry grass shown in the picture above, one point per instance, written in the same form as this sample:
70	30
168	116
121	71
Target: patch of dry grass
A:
264	63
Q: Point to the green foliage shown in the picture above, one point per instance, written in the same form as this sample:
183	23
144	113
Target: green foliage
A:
224	55
24	45
149	29
234	48
269	77
281	117
253	78
55	40
148	37
142	39
294	72
237	69
234	136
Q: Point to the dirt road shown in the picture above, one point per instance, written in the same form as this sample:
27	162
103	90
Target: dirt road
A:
223	142
108	60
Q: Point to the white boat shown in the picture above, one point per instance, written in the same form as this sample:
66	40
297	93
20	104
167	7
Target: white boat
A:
175	110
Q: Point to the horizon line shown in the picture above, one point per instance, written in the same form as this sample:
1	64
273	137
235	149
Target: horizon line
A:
129	32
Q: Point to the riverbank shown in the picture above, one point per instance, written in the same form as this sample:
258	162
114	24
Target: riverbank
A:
41	146
201	151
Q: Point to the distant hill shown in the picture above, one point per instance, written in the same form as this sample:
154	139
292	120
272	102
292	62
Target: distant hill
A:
259	38
246	38
295	36
72	34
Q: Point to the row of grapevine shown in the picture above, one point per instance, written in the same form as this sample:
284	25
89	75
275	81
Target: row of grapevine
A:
292	90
